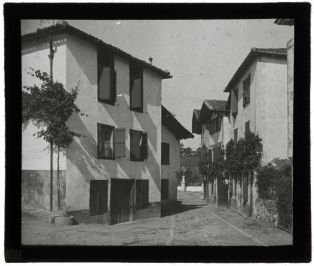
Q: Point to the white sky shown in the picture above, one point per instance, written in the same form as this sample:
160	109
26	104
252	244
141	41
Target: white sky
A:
201	55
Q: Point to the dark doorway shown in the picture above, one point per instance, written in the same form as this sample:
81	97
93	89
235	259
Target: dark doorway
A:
222	193
121	200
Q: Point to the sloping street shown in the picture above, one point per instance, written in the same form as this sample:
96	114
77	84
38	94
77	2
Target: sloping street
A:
192	222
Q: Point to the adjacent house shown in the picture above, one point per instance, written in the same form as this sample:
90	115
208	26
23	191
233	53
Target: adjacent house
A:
113	174
257	102
172	133
212	123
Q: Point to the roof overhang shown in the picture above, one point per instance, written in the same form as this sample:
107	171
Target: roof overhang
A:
65	28
250	58
174	126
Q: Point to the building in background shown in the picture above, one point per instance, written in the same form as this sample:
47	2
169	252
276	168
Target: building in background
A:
172	133
258	103
114	173
212	123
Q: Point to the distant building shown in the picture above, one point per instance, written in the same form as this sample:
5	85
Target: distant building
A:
172	133
257	102
212	123
124	165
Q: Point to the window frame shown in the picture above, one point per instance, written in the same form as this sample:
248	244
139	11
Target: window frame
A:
99	155
165	160
246	91
113	84
133	66
142	155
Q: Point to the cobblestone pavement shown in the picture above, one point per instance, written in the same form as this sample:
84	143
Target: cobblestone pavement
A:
194	222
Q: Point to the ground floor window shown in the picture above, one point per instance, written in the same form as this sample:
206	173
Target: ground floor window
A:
98	197
142	189
164	189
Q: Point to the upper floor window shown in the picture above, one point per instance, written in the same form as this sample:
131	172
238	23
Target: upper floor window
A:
165	150
138	145
214	125
111	142
106	78
247	127
136	88
235	135
246	91
234	102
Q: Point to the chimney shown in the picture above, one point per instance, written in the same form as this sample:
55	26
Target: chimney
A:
151	60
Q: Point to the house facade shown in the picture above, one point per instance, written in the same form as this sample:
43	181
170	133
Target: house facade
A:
258	103
112	174
212	123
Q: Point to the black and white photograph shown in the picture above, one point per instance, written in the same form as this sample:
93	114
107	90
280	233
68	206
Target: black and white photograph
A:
157	132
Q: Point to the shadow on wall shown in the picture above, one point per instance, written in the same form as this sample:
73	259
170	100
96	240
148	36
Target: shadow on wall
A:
83	155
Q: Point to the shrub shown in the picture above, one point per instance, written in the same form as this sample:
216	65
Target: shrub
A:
266	181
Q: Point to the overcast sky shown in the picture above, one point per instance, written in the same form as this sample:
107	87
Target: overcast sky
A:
201	55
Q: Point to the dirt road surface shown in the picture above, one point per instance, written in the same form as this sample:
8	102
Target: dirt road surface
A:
193	222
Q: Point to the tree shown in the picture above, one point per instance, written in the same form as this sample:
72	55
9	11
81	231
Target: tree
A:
49	107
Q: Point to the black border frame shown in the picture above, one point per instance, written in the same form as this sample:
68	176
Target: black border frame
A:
300	251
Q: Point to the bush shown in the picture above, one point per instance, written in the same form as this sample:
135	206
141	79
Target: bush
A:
274	181
266	181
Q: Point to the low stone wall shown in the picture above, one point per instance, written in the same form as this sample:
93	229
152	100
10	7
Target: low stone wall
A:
36	189
266	211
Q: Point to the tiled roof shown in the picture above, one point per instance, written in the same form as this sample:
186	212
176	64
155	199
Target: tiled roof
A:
216	105
285	21
174	126
280	53
65	28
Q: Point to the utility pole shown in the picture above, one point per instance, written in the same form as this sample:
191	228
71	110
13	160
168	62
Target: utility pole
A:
51	55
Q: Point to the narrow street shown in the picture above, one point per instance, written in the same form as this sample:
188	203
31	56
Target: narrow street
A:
193	222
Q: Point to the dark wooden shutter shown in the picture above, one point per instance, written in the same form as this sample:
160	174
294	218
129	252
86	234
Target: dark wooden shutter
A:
113	86
136	93
165	153
104	84
145	193
100	141
247	127
234	101
144	147
141	197
98	197
135	148
139	191
164	189
119	143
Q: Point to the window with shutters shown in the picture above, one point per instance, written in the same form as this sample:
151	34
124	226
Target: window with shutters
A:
215	125
98	197
106	78
136	88
246	91
141	193
105	141
234	102
138	145
165	151
247	127
164	189
235	135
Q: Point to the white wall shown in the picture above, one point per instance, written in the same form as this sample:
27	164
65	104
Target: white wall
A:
82	162
35	152
169	171
267	110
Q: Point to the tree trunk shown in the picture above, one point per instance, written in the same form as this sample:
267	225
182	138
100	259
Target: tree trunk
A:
51	175
58	179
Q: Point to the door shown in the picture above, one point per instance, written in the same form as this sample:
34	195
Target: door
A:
121	200
222	192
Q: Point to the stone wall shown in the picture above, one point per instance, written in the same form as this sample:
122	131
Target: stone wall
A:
266	211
